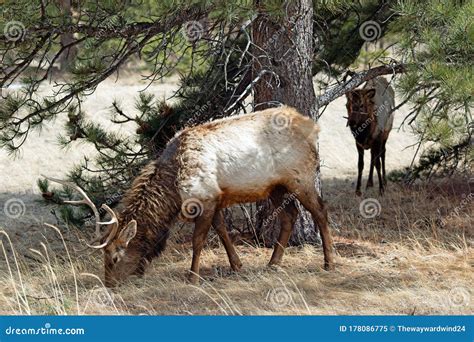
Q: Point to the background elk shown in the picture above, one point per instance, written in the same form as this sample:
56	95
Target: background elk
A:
370	119
203	169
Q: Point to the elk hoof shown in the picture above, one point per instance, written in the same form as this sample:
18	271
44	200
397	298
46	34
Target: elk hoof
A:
275	260
273	264
193	278
236	265
381	191
358	193
329	266
370	184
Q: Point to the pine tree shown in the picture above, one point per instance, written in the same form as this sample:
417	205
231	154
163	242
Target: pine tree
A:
437	44
212	45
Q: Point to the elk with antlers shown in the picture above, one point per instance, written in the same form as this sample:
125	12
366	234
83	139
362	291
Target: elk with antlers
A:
203	169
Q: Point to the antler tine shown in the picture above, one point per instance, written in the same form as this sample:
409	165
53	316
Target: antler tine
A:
86	200
110	233
102	245
113	222
91	244
111	213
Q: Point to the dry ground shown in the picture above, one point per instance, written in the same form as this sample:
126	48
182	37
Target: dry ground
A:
415	257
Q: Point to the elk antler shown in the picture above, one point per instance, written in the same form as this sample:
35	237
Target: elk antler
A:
113	229
110	233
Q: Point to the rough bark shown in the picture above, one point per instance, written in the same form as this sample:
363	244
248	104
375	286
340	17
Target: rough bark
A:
284	48
67	39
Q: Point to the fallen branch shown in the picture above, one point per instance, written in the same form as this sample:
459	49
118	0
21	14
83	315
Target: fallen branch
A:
357	79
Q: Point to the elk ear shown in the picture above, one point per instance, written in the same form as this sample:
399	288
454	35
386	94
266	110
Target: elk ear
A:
128	233
370	93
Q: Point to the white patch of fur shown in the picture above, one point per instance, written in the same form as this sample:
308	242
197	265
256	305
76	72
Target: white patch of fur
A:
384	100
245	154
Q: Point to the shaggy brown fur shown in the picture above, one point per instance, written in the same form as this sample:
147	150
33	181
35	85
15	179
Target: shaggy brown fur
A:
153	202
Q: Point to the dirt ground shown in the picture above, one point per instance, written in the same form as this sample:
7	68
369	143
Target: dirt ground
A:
415	256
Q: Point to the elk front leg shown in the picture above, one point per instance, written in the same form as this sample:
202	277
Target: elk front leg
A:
201	228
360	151
377	167
221	229
370	181
383	163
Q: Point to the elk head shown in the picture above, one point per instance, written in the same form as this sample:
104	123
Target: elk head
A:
360	107
121	259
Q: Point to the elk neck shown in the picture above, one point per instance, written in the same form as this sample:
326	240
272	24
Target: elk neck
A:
154	202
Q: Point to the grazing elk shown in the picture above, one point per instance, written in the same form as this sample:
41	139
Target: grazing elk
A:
370	119
206	168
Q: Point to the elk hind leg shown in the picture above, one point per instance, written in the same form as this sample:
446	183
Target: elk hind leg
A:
287	214
360	166
311	200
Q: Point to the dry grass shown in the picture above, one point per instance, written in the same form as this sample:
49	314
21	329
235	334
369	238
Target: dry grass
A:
416	257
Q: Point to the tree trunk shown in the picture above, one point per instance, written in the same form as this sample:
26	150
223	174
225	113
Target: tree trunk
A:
283	55
69	54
